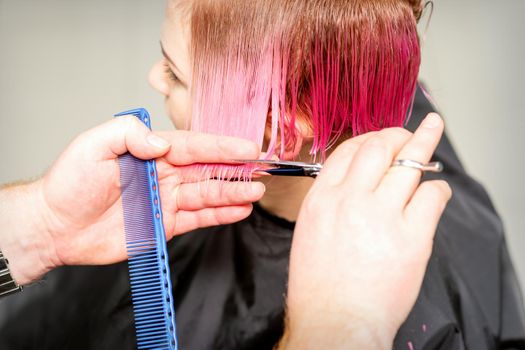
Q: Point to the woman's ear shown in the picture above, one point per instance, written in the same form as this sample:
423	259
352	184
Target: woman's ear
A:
297	137
301	140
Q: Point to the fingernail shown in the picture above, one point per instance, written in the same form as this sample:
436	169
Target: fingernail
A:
257	188
157	141
431	121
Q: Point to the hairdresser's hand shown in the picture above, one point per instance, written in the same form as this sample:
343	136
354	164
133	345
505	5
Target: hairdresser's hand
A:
362	242
74	215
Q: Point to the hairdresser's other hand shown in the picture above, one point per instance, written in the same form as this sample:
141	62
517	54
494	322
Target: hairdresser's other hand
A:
362	242
73	215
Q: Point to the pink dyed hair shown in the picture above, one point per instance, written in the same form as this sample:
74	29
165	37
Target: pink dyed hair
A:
342	67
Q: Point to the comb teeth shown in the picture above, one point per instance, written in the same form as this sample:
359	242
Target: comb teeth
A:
147	254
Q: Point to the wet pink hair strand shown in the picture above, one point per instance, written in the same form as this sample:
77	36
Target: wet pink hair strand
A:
342	68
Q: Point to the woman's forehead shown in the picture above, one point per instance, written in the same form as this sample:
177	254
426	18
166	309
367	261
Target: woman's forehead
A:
181	6
175	36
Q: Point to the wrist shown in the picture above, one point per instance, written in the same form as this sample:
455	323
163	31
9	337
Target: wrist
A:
337	332
25	238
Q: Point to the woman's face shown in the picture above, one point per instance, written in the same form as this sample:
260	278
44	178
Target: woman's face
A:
171	75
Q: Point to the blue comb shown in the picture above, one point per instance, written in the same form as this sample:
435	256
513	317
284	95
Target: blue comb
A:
147	253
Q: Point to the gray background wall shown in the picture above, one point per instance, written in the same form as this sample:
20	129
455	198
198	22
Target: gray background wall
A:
473	65
68	65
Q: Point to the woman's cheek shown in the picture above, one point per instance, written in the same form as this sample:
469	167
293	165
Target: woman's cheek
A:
179	108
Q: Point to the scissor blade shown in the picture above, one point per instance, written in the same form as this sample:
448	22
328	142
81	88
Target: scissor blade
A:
277	163
284	172
284	168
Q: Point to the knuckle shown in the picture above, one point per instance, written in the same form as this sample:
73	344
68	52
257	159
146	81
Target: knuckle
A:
347	147
218	218
166	135
230	192
377	143
129	122
203	190
378	148
223	145
189	148
401	131
212	194
243	191
251	149
417	152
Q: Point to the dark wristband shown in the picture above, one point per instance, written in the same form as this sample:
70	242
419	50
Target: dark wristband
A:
7	284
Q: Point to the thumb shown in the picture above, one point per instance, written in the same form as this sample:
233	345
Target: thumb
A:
125	134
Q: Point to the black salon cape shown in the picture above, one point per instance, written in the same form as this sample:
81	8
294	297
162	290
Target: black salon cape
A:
229	285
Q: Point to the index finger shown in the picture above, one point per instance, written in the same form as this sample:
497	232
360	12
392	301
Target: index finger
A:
188	147
336	165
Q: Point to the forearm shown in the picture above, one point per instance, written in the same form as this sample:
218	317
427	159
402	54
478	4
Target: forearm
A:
24	238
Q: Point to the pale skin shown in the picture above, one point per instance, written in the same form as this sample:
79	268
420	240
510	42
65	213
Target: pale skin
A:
357	219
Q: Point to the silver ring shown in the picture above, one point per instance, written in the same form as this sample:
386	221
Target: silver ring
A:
434	167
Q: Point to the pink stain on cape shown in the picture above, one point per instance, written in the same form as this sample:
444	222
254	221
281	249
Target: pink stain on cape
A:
424	327
410	345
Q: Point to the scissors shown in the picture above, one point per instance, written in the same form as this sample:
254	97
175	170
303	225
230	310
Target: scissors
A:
288	168
284	168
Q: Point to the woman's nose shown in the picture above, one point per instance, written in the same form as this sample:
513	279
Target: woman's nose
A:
157	78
